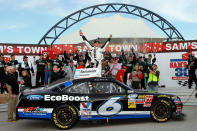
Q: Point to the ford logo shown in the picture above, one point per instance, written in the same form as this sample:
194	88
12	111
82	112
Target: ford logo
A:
34	97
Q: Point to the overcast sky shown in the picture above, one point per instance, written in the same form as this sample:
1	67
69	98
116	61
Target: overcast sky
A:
26	21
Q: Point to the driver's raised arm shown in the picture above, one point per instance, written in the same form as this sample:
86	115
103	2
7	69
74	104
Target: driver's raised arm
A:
85	40
106	43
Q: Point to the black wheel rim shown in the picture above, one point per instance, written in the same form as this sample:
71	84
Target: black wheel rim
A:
160	111
64	116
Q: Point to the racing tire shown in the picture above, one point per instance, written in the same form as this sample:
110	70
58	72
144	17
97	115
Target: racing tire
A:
161	110
65	116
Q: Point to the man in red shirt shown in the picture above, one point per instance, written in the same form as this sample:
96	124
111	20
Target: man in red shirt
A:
120	74
135	78
81	65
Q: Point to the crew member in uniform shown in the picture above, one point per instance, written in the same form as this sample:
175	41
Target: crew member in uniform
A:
40	63
14	63
57	62
2	74
26	65
192	62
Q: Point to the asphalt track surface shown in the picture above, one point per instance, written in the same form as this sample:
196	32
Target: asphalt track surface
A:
189	123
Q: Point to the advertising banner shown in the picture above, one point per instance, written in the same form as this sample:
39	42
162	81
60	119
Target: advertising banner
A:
87	73
155	47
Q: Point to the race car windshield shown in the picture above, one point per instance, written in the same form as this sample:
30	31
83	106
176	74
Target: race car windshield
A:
58	82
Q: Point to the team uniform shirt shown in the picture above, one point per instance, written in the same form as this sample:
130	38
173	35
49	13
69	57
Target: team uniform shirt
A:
13	63
2	66
120	73
12	81
105	69
27	66
137	77
80	67
2	70
57	62
40	64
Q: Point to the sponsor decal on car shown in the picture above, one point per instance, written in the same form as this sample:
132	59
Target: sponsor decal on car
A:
85	110
35	112
141	96
65	98
34	97
148	100
132	100
139	101
132	96
131	104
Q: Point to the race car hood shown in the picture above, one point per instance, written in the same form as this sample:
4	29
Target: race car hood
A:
41	90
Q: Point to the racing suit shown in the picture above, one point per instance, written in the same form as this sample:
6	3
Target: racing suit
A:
96	52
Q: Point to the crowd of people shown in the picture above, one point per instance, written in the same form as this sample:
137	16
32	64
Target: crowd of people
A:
126	67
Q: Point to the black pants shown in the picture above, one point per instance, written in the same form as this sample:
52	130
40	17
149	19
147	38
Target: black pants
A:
136	85
16	75
191	79
2	81
40	75
2	88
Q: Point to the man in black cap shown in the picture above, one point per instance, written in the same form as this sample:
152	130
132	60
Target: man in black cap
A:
2	74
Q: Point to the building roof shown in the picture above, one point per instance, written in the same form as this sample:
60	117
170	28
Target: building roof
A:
120	27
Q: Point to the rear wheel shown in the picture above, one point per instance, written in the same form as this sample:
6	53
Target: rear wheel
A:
65	116
161	110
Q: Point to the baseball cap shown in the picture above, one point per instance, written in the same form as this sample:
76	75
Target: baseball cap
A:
9	68
25	56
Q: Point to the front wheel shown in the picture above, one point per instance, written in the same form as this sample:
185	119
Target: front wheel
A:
161	110
65	116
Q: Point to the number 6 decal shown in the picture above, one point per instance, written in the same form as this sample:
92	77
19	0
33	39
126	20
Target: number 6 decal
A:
110	107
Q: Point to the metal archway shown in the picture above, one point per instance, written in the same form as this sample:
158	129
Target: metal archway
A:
54	33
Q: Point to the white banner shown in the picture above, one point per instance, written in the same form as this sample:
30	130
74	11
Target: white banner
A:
173	71
87	73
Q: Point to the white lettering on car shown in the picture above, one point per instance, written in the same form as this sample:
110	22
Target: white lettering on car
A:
65	98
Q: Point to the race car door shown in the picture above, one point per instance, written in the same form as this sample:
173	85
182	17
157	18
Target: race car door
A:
108	99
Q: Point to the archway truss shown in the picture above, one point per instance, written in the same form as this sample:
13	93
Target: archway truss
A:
55	32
